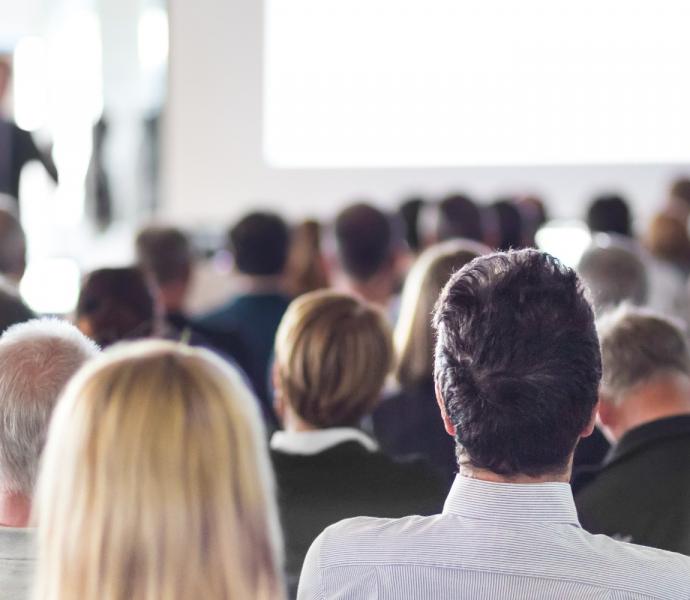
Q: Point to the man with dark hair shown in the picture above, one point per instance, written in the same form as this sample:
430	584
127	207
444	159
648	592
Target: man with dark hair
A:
259	244
458	216
517	374
610	213
367	246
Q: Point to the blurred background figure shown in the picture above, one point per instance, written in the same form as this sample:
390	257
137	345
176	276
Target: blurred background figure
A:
457	216
614	272
667	240
368	248
410	212
678	203
186	510
37	359
12	244
333	354
306	269
640	493
117	304
534	217
17	147
259	243
407	421
610	213
506	228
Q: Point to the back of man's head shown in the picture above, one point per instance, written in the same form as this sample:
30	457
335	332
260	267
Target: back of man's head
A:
614	272
259	243
459	217
517	362
365	241
610	213
164	253
37	359
12	246
637	346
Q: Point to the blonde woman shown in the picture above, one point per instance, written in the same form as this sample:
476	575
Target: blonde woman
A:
409	421
333	353
155	484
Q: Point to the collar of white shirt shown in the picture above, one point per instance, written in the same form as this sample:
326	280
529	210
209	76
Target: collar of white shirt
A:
512	502
313	442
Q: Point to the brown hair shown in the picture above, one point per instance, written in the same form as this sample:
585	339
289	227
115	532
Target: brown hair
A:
333	354
667	239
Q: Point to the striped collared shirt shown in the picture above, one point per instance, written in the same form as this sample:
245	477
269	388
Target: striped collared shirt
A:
493	540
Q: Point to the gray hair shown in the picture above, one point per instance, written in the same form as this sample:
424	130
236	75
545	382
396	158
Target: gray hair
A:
37	359
637	345
614	272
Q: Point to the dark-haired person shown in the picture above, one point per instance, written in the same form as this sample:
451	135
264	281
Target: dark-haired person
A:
458	216
368	247
333	353
506	228
517	376
610	213
641	493
117	304
259	243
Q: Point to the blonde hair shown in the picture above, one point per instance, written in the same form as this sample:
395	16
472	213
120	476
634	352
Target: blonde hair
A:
333	354
413	336
155	483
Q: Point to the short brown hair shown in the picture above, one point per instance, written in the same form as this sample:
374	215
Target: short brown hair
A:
333	354
165	253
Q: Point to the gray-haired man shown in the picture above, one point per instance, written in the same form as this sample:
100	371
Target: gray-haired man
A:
641	493
37	359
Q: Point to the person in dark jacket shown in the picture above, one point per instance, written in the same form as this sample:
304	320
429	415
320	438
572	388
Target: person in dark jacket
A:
642	492
333	353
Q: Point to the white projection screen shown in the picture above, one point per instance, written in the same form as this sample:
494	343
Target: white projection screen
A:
410	83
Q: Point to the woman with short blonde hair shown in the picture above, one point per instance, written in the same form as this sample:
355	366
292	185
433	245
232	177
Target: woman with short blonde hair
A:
333	354
155	484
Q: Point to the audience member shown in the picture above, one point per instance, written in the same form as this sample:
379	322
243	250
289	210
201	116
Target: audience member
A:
156	483
506	229
534	217
517	375
610	213
679	199
458	216
410	211
118	304
259	243
614	271
641	493
667	240
37	359
333	353
12	307
368	249
306	269
12	246
407	422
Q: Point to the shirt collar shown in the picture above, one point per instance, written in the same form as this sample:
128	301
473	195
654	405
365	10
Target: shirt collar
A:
313	442
649	433
512	502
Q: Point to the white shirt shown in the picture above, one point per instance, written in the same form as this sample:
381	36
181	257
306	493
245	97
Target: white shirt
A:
493	540
313	442
17	559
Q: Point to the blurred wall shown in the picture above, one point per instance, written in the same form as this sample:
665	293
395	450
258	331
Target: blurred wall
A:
213	167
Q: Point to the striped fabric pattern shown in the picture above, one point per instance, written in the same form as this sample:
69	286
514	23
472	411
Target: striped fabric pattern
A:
493	540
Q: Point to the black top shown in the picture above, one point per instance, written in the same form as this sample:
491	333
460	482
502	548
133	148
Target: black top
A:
347	480
642	493
410	422
19	149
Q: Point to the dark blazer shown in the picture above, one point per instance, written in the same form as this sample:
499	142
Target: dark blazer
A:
409	422
642	493
347	480
22	149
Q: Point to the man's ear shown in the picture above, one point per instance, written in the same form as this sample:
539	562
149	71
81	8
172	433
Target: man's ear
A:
607	410
450	427
592	423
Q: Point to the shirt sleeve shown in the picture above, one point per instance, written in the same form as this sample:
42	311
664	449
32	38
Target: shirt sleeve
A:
310	581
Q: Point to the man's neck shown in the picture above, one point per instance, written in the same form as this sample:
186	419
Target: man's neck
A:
491	477
657	399
377	290
15	510
260	284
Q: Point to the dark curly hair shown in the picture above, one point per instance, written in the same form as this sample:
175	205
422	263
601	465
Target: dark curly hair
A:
517	361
